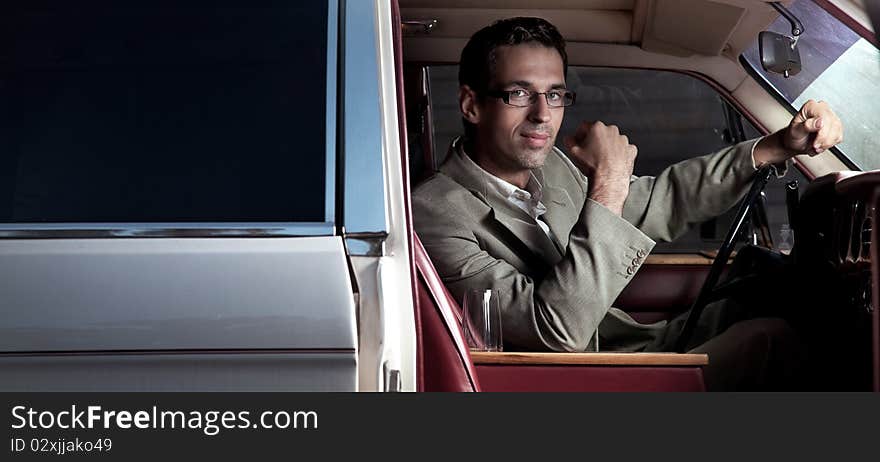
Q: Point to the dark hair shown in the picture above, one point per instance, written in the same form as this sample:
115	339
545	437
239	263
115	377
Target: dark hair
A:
477	63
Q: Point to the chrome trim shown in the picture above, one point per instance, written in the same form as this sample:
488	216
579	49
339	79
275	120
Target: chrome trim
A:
366	244
363	166
161	230
330	112
262	351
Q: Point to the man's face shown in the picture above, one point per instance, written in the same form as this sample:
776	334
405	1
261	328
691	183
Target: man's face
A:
519	138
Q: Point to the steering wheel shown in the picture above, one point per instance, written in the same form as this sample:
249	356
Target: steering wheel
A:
705	294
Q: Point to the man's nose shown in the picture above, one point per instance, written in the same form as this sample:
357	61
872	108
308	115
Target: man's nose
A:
539	111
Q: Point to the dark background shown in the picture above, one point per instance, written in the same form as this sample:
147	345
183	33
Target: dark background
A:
162	111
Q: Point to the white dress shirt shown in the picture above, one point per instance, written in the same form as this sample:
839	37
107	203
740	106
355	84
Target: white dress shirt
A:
529	199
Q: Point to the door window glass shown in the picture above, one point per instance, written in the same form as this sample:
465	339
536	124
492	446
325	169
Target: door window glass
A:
163	112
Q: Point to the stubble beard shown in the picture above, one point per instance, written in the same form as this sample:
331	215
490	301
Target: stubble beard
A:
534	158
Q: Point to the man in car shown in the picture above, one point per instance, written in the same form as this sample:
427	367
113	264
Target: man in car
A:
561	234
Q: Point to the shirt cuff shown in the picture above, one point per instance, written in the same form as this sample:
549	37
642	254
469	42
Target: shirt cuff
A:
781	167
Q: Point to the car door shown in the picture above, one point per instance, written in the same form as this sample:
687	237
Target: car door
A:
168	199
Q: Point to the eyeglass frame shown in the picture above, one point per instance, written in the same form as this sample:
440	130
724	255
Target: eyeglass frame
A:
504	95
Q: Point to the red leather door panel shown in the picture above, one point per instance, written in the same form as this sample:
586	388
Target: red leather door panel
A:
661	291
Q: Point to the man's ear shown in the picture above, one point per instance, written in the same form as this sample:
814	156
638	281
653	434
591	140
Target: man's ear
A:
467	103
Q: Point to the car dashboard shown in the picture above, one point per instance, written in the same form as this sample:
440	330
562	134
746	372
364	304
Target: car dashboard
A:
831	280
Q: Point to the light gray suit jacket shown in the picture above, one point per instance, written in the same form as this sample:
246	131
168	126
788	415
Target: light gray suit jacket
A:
554	295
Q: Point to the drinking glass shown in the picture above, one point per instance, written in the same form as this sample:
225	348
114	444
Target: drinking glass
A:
481	318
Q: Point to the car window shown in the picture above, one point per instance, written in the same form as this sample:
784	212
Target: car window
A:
670	116
163	112
838	66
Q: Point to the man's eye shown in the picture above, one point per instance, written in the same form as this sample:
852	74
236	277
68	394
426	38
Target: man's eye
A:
555	95
519	94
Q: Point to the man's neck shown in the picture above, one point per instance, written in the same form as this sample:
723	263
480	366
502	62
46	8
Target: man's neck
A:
517	177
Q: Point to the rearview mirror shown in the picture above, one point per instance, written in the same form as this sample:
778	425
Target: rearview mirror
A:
779	53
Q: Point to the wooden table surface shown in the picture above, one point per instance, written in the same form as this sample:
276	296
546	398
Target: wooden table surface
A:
604	359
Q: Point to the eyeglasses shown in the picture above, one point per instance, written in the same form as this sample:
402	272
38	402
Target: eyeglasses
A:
525	98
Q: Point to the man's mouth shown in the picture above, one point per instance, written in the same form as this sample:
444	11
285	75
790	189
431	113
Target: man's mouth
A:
536	139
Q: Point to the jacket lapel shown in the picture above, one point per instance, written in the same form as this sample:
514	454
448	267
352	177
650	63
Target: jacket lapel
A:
528	232
518	222
561	215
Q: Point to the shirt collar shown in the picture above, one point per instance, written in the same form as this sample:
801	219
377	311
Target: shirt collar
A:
533	192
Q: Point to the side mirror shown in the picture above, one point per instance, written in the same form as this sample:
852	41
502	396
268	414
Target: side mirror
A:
779	53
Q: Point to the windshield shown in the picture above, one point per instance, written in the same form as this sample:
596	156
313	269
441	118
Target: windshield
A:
839	67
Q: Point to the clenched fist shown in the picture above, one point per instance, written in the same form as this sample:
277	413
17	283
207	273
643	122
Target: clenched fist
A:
606	158
811	131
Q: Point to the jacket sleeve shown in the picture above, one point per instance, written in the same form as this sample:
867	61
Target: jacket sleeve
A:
562	310
690	192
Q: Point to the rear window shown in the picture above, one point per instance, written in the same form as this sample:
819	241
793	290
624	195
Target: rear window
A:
163	112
